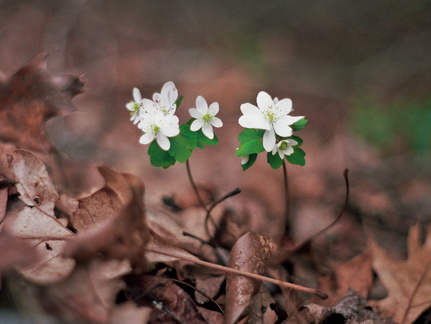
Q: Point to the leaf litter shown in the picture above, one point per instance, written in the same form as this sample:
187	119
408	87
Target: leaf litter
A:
106	257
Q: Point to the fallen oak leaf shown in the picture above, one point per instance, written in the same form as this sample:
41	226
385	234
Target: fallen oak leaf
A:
406	300
250	253
31	97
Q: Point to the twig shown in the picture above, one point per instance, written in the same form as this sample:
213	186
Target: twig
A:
200	292
282	284
213	205
298	246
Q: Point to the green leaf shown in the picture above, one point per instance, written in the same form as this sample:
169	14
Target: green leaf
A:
252	158
250	142
183	144
300	124
274	160
159	157
297	157
202	140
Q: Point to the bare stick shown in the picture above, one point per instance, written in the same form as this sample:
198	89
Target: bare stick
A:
282	284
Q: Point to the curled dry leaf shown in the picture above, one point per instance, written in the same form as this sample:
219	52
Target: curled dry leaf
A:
106	202
250	253
408	282
123	236
31	97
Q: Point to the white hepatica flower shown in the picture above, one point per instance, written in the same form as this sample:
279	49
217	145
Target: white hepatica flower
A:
163	101
159	126
284	147
270	115
135	106
205	117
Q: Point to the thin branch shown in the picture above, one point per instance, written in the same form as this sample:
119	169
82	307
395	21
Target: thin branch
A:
213	205
282	284
298	246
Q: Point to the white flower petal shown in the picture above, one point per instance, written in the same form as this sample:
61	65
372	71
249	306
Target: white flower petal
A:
254	121
281	154
264	100
131	106
213	109
290	120
195	113
169	93
201	105
146	138
208	130
216	122
137	95
148	106
249	109
288	150
269	140
244	159
282	129
196	125
163	142
170	130
285	106
293	142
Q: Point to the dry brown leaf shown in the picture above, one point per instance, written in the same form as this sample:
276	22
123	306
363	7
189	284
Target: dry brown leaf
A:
33	181
88	294
402	277
123	236
355	274
31	97
47	235
15	252
250	253
106	202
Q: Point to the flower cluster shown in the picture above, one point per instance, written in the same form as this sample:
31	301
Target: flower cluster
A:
269	127
157	120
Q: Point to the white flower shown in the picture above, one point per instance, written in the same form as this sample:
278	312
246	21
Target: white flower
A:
270	115
135	106
158	126
284	147
205	117
164	101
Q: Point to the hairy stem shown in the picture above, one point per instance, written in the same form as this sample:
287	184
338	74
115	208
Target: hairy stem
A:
286	197
195	188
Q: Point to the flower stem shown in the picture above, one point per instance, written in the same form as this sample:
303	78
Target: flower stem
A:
286	197
195	188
